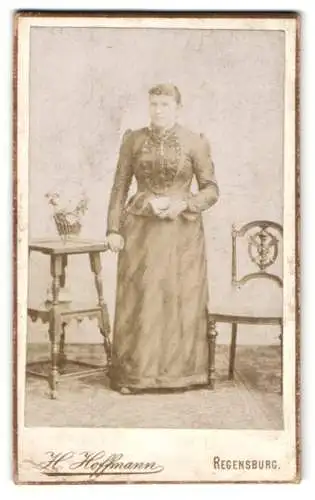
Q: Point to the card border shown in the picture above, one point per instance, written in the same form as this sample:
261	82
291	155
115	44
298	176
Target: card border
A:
296	15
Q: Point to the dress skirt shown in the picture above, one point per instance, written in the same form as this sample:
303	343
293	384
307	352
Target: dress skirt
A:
160	325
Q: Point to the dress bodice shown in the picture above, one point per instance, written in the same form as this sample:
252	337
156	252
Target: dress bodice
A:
163	165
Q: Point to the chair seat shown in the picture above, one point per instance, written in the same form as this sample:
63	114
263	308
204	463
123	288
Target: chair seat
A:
245	319
248	308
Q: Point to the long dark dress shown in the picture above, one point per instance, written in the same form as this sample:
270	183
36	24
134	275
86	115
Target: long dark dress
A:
159	338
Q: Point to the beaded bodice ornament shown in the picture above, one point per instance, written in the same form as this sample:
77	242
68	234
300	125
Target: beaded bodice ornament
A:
159	160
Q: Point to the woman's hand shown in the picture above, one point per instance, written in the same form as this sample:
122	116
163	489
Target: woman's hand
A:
115	242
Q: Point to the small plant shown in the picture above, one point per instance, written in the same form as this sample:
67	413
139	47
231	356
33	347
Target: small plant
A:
68	211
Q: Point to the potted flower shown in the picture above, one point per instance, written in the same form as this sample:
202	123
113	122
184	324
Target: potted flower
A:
69	207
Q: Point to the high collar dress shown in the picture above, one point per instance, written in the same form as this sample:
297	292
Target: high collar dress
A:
160	324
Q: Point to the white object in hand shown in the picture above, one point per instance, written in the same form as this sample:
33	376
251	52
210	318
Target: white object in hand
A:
160	203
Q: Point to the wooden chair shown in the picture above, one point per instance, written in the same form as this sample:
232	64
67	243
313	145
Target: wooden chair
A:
262	241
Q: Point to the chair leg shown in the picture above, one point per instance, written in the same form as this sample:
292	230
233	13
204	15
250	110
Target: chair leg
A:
211	337
281	359
232	351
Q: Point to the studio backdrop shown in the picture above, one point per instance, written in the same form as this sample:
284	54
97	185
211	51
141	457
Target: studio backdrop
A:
89	85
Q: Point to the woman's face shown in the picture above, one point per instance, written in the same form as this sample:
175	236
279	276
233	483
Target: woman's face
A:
163	110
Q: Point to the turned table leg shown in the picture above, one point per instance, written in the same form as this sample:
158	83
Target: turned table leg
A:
211	337
96	267
62	356
55	322
62	359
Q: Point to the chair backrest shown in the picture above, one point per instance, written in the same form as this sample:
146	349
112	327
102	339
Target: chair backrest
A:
263	240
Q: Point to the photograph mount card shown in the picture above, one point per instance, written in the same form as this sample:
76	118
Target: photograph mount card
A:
156	174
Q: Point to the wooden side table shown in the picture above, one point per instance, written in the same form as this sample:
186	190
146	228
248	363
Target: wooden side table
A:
58	314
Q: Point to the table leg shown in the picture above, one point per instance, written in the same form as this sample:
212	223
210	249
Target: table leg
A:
54	373
211	337
55	322
64	263
62	359
96	267
56	271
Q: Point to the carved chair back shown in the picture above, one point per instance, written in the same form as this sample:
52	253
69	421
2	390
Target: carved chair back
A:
262	240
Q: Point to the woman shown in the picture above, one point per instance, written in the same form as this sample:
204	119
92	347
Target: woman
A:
159	338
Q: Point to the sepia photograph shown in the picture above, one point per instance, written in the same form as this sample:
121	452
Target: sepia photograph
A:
156	333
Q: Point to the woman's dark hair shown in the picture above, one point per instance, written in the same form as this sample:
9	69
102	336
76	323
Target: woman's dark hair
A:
167	89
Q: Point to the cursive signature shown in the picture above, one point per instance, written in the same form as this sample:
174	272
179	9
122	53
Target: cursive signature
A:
92	464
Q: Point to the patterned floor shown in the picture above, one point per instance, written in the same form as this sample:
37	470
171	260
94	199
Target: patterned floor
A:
251	401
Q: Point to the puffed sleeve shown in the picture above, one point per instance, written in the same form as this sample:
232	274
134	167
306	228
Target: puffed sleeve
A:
121	185
204	171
